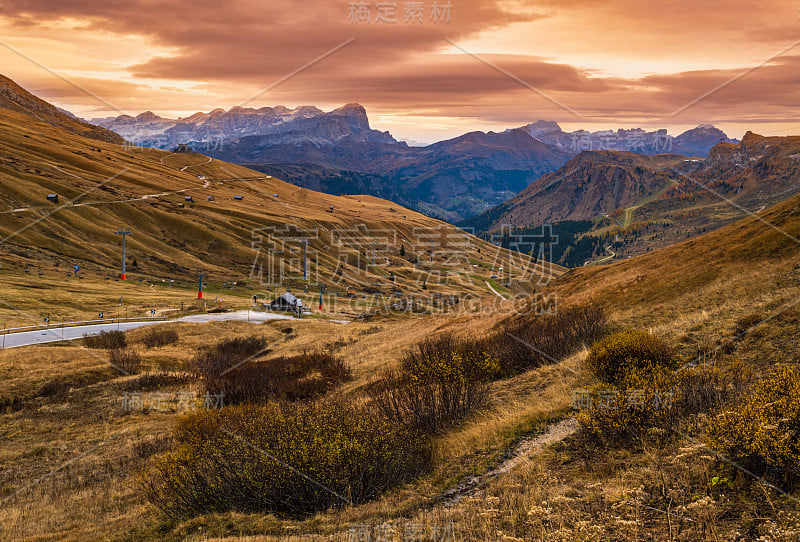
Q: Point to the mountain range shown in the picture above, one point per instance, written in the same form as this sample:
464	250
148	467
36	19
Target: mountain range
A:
337	152
695	142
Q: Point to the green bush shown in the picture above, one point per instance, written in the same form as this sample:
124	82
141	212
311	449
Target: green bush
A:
762	432
643	405
106	339
651	401
609	359
289	458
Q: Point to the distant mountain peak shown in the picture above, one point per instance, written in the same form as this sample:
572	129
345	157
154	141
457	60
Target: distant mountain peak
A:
352	109
147	116
540	127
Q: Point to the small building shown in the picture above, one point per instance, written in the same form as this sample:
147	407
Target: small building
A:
52	198
210	198
274	195
238	198
287	302
189	199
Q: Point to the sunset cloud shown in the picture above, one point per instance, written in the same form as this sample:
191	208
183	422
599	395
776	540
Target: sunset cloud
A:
616	63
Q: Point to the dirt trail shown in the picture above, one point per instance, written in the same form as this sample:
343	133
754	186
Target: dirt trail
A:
524	449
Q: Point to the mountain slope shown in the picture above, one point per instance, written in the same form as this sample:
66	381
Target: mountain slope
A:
15	98
591	184
450	179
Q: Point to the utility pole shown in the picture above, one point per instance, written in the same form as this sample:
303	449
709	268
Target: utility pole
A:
123	232
321	290
200	277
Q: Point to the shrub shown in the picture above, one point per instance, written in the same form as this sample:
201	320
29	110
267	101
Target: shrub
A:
289	459
156	381
762	433
440	382
642	405
532	341
106	339
126	361
159	337
227	354
447	355
610	358
707	387
300	377
650	401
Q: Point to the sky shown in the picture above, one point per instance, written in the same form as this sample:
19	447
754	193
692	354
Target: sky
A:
425	70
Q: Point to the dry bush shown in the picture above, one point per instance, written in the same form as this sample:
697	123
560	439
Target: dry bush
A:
227	354
106	339
286	458
610	359
302	377
531	341
156	381
154	338
761	433
126	361
706	387
440	382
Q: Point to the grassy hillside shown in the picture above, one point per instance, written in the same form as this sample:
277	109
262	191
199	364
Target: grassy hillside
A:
694	295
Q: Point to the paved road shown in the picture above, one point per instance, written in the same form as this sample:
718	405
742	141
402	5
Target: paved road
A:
42	336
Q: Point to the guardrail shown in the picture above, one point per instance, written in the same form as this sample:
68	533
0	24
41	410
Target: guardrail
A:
61	325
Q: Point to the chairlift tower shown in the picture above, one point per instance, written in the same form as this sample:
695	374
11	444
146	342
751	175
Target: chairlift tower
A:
200	277
124	232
